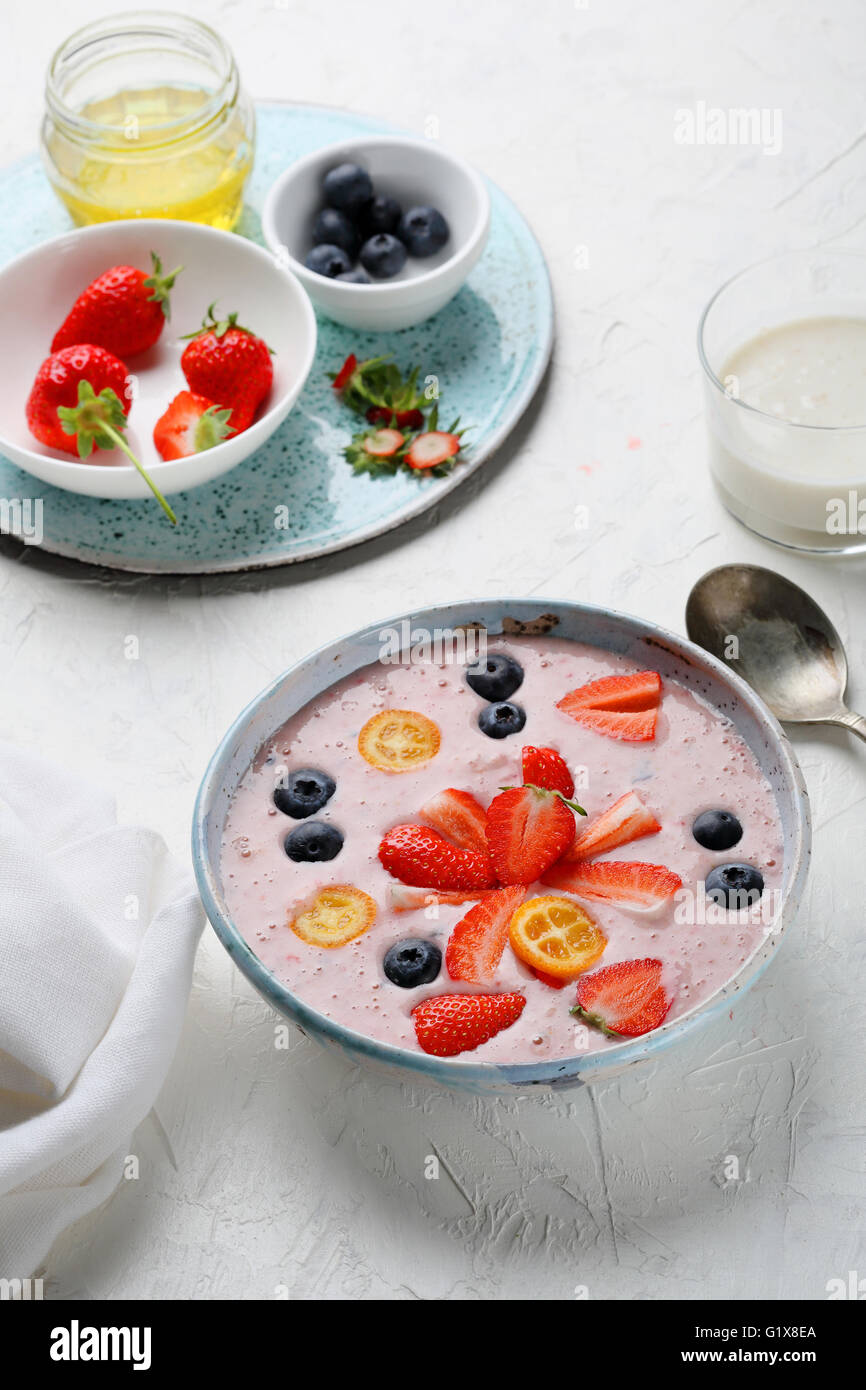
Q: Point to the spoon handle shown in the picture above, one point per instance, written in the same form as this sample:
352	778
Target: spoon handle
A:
849	720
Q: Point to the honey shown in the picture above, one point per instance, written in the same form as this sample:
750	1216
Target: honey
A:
178	146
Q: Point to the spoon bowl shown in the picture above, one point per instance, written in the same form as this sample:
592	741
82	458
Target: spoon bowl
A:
776	637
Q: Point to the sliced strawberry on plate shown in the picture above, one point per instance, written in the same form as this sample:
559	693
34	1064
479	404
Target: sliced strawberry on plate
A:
345	372
383	444
528	829
424	859
190	425
406	899
623	1000
622	707
544	767
476	944
452	1023
614	881
431	449
405	419
626	820
459	817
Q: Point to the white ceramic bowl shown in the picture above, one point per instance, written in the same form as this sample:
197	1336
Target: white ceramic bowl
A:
38	289
415	172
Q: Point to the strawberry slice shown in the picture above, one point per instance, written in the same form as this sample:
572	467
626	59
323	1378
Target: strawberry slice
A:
383	444
626	820
190	425
452	1023
552	980
429	450
345	372
528	829
544	767
622	707
459	817
405	419
607	880
623	1000
424	859
406	899
476	944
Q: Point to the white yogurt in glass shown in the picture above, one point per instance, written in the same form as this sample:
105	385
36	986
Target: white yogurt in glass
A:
784	351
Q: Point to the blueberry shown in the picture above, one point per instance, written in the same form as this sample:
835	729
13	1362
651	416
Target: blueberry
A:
735	885
328	260
354	277
313	842
412	962
496	678
423	231
383	256
717	830
381	215
306	790
501	719
333	228
348	187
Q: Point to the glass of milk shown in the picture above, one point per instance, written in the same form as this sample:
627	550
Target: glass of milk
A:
783	348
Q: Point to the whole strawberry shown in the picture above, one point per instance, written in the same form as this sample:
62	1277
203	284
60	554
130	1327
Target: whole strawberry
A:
123	310
79	402
229	365
56	387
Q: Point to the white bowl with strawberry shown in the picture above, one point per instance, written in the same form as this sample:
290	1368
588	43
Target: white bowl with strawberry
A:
147	357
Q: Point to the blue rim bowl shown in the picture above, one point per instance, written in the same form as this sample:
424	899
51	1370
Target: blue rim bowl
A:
643	642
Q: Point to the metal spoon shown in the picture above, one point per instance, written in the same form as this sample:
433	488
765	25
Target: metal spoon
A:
777	638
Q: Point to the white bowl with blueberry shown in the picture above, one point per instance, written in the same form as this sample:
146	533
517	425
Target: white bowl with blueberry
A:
382	231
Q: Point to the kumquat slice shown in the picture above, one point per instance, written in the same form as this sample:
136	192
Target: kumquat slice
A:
556	936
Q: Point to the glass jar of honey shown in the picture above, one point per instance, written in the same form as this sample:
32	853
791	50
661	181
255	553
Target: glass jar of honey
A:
145	117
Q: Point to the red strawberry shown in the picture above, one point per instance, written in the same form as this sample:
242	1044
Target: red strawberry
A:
431	449
345	372
190	425
527	831
79	402
476	944
56	387
607	880
381	415
229	365
123	311
623	707
624	1000
423	859
552	980
383	444
459	817
452	1023
626	820
404	899
544	767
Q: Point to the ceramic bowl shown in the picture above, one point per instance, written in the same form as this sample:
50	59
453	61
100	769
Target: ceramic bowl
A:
642	642
415	172
38	289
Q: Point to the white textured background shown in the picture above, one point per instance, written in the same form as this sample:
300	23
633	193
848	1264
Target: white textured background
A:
272	1170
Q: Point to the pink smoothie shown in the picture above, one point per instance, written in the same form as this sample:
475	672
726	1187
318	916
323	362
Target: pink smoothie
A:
696	762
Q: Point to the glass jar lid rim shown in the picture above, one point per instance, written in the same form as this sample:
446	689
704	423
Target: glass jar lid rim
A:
156	23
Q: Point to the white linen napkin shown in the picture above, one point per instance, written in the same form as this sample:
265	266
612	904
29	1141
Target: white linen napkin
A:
98	930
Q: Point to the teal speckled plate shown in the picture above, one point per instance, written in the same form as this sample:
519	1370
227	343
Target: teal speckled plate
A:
297	498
